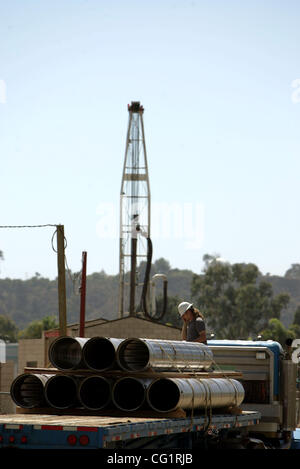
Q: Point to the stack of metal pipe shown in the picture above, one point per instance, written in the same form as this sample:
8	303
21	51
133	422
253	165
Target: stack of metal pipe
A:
135	386
163	355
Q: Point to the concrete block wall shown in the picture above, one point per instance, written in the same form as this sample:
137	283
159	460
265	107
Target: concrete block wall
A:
31	353
7	375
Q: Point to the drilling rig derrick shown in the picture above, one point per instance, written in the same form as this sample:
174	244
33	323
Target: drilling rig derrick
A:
134	213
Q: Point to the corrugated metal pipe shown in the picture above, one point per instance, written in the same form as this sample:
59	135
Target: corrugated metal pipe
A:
65	353
61	391
167	394
94	392
129	393
99	353
142	354
27	390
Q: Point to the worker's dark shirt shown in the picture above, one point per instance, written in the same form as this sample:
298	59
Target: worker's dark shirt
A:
194	328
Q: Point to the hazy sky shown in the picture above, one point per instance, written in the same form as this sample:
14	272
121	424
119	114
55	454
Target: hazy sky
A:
220	84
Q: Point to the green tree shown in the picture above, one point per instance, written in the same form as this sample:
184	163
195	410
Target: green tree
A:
235	301
36	328
8	329
276	331
295	329
161	266
293	271
297	316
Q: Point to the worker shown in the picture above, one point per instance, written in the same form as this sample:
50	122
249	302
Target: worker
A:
193	329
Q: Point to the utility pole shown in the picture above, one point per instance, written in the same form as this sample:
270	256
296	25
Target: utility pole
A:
134	210
62	303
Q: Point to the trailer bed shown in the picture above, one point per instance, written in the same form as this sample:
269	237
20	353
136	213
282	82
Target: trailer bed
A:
34	431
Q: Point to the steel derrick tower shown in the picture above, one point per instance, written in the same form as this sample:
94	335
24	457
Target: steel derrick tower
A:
134	213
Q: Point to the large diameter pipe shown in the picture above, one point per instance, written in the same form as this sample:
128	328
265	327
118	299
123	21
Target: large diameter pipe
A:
167	394
65	353
94	392
61	391
141	354
27	390
99	353
129	393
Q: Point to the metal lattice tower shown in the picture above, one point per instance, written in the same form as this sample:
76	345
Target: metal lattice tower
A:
134	212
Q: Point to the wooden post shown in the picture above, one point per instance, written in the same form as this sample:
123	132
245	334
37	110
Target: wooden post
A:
82	295
62	303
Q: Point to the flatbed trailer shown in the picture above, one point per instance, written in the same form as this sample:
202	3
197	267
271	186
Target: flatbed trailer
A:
43	431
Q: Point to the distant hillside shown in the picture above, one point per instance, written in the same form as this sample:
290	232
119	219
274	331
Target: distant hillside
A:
290	286
24	301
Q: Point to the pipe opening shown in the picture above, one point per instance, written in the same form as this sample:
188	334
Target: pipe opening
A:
99	353
163	395
61	391
129	394
65	353
95	392
27	391
133	355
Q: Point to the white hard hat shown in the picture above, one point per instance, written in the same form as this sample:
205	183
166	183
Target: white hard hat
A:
183	307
